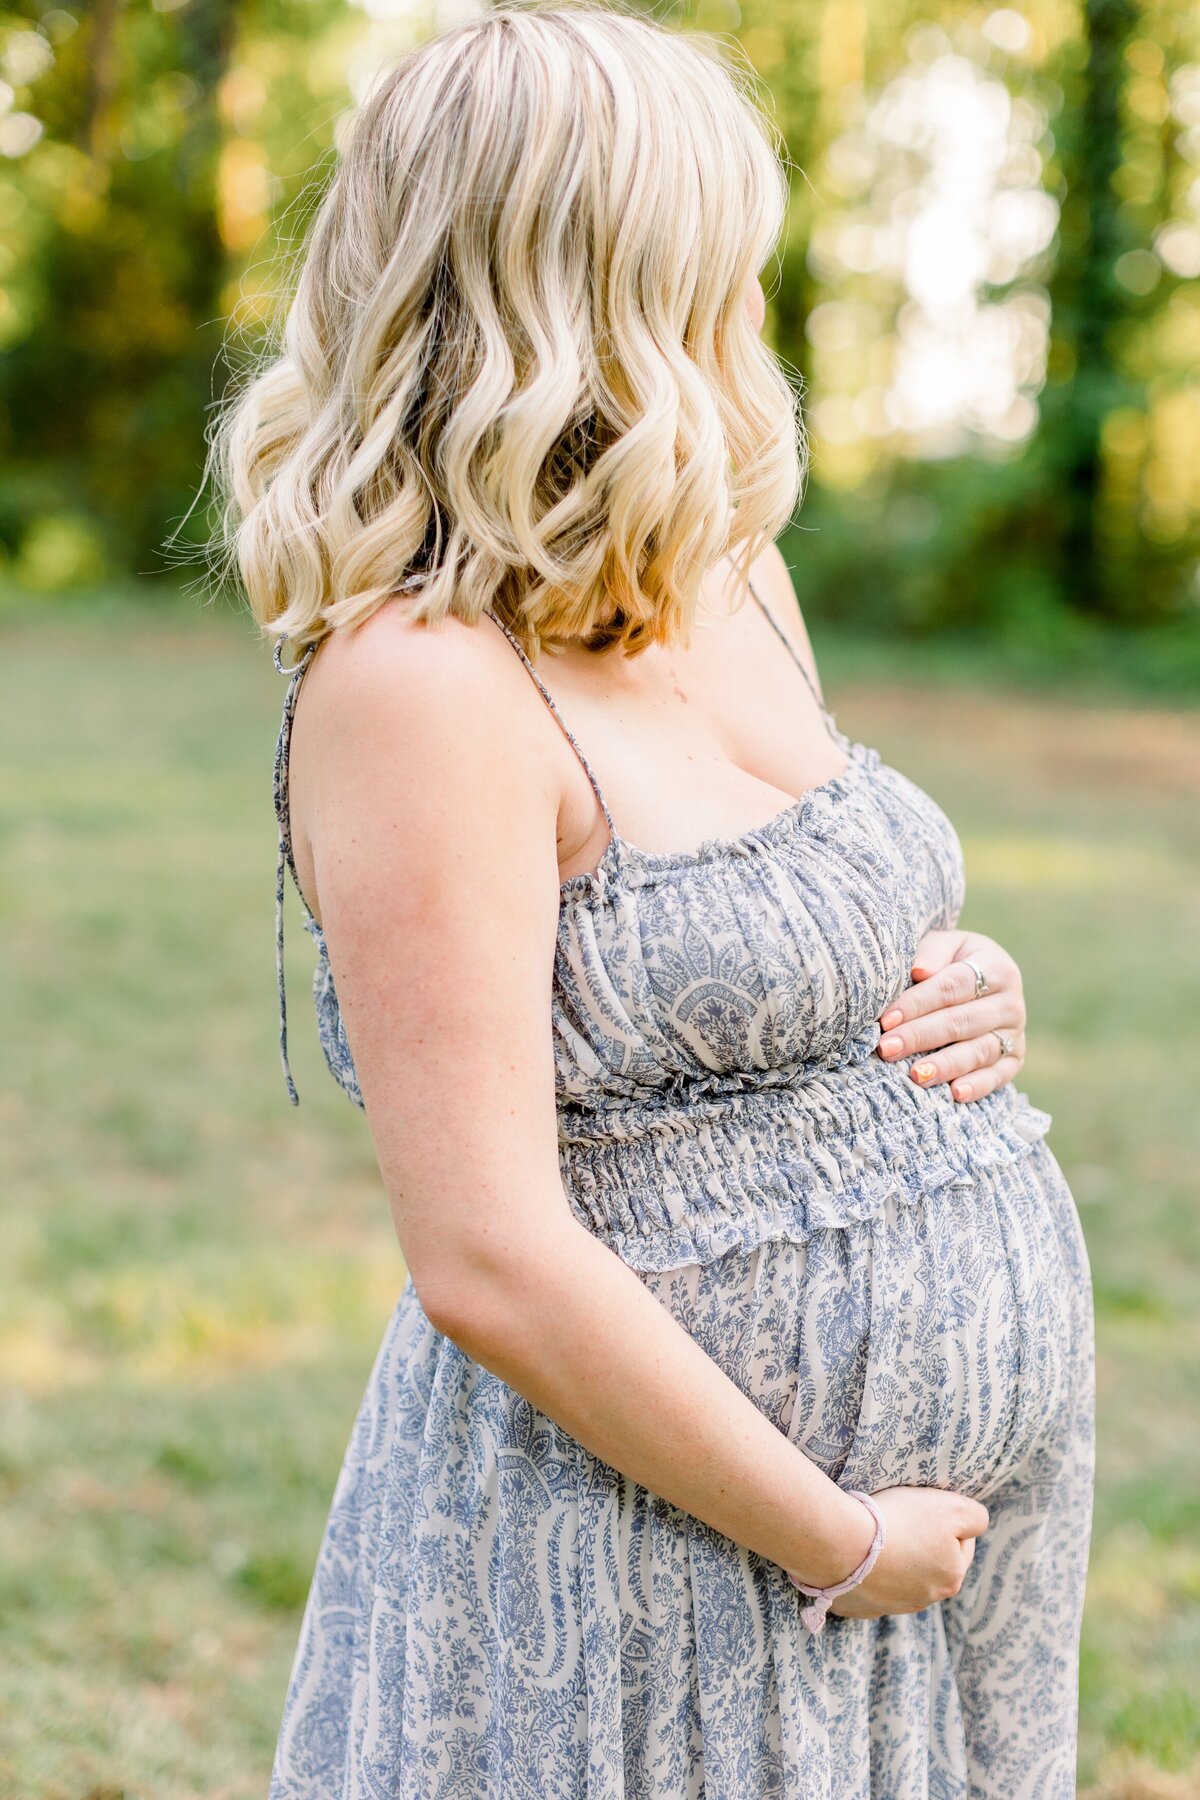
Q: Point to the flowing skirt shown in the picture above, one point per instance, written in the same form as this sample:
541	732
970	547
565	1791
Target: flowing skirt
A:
496	1614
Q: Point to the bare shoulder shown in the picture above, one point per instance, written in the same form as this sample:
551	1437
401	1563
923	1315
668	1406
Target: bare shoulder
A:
417	752
772	579
450	679
449	701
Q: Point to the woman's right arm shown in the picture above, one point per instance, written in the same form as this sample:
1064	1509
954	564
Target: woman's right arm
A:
430	804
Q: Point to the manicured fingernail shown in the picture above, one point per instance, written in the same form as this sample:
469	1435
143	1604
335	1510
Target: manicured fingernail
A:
890	1045
923	1070
962	1090
891	1018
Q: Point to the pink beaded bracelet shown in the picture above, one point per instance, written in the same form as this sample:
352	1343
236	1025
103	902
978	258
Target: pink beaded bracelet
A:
814	1615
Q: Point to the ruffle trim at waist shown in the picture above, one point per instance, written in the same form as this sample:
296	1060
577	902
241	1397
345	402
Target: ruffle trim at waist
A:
665	1187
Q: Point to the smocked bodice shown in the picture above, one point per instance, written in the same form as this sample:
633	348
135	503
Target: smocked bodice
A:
760	959
752	961
715	1016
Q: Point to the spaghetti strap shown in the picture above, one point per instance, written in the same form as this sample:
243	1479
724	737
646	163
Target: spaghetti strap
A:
831	723
549	699
284	859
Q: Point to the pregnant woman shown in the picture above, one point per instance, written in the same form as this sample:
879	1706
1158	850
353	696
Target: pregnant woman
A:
732	1436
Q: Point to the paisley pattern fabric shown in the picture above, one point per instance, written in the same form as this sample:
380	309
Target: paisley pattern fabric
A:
899	1281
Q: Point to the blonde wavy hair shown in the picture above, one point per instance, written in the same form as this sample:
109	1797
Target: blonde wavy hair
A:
518	373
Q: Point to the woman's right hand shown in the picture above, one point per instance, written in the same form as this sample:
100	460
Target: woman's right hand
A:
928	1544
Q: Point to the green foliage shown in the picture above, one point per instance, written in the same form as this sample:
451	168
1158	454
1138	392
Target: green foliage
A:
159	162
168	134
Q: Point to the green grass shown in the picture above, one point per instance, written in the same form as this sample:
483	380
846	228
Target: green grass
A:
196	1277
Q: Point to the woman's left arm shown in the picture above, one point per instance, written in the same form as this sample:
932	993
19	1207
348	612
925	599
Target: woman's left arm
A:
943	1014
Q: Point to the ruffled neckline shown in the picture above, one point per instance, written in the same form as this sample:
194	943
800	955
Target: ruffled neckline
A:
623	863
621	858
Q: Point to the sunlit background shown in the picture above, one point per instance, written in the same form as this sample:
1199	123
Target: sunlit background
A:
989	292
988	285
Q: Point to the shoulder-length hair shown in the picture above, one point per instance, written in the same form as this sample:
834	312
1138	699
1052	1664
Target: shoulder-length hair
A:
518	373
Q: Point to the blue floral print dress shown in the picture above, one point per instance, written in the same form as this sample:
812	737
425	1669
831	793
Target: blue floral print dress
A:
898	1280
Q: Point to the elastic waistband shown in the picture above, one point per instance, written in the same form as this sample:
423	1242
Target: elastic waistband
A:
671	1185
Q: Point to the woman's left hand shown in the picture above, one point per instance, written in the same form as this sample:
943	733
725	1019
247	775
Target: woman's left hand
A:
940	1012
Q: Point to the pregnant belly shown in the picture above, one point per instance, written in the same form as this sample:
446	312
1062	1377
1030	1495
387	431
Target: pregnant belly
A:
932	1344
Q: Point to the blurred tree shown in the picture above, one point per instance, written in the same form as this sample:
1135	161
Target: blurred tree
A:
987	285
982	288
1089	301
129	232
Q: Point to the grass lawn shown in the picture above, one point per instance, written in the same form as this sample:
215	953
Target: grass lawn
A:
196	1276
